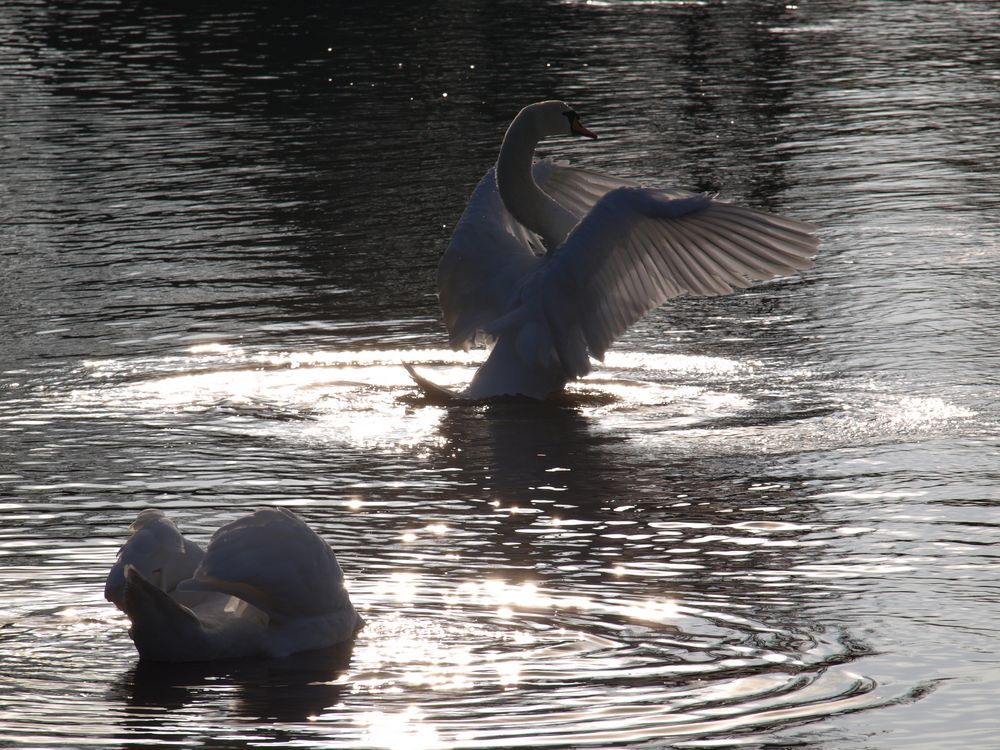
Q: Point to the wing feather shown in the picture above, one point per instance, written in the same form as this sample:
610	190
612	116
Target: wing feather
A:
650	268
576	189
731	276
489	257
761	261
686	275
781	249
716	247
636	248
710	273
668	286
274	561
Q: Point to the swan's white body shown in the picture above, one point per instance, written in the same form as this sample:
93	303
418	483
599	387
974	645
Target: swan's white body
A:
267	585
553	263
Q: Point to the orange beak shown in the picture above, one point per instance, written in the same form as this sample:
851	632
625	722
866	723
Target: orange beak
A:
577	127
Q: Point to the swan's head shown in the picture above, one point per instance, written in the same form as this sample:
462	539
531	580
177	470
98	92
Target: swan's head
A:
553	118
157	551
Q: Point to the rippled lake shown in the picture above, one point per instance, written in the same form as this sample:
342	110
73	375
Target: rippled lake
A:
768	520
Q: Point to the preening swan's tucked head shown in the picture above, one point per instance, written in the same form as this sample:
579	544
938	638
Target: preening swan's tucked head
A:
553	118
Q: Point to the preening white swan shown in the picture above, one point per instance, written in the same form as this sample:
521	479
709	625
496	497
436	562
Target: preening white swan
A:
553	263
267	585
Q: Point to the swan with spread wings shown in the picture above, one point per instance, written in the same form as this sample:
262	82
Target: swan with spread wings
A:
553	263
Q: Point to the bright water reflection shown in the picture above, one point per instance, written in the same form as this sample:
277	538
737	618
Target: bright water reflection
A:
768	519
518	570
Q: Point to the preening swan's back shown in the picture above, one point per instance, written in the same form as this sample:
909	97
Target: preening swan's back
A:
274	561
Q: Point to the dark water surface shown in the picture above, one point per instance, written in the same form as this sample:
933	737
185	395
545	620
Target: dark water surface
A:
770	520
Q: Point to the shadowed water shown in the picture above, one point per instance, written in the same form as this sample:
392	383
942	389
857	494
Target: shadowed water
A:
767	520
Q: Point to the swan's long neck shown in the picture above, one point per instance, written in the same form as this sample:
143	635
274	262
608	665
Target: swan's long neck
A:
527	202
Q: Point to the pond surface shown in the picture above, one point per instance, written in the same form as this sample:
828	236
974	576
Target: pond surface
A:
768	520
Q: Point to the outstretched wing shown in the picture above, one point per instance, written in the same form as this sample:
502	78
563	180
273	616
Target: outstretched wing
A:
491	254
487	260
638	247
577	190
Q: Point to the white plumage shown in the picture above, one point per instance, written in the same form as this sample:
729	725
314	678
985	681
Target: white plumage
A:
267	585
553	263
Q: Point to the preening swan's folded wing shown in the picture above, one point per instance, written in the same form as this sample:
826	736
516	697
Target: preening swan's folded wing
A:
274	561
639	247
489	255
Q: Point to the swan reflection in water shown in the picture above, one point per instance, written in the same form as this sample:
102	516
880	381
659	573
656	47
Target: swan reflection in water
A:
293	689
554	263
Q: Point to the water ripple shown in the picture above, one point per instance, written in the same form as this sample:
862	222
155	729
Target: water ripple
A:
441	663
